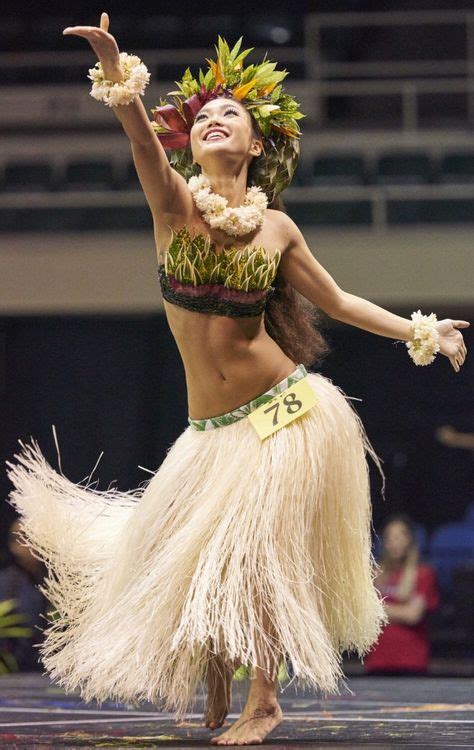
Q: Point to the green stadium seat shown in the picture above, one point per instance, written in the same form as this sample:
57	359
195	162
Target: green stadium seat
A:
26	176
75	219
403	169
89	175
457	168
431	211
330	212
130	181
339	169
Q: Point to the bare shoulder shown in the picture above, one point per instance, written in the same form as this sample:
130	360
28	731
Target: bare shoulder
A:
288	232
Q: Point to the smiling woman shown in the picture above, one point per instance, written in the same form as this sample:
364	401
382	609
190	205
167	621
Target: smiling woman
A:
251	542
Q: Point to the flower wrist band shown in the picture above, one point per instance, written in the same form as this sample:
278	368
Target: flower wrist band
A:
135	77
423	345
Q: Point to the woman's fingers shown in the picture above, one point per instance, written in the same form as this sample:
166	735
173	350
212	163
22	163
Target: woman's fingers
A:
79	30
85	30
104	21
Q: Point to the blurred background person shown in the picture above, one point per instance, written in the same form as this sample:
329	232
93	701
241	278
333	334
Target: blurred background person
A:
410	590
453	438
19	580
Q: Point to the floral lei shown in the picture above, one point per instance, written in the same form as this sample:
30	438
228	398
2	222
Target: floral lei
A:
219	215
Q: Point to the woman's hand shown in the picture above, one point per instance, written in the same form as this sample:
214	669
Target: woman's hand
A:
103	44
408	613
451	342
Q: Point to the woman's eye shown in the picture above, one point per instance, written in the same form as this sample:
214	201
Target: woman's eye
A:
199	117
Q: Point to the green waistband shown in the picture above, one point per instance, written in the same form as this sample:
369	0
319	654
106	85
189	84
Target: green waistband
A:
210	423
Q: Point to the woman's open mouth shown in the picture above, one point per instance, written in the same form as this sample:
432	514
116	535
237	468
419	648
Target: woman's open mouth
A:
215	134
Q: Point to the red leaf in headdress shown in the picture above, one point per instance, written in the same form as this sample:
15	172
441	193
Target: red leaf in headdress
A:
168	117
191	107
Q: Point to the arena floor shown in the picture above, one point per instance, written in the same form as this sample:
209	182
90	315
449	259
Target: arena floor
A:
381	713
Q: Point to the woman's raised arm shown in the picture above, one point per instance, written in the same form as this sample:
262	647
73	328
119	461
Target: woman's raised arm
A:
301	269
165	190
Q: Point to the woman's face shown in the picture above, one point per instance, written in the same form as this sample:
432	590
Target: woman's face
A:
397	540
223	126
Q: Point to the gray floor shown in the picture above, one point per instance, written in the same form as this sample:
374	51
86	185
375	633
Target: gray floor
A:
386	712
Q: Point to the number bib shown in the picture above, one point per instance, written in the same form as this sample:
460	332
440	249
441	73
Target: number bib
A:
285	407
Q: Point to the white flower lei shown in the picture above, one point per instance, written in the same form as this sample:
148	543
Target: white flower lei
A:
135	78
424	346
239	220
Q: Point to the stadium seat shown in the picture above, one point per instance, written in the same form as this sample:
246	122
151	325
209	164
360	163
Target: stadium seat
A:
303	175
28	176
203	30
75	219
430	211
330	212
149	32
339	169
457	168
451	545
130	180
403	169
89	175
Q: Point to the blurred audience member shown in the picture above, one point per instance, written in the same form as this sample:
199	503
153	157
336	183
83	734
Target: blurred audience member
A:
410	591
19	580
454	438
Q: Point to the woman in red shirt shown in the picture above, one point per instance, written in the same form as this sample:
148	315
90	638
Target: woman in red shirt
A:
410	591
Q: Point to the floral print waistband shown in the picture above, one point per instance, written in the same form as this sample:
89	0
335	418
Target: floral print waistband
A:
210	423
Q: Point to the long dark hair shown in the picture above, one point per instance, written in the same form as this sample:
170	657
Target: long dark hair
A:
290	319
409	565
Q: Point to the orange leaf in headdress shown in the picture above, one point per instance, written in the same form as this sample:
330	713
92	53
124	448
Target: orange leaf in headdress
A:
241	91
216	71
267	89
220	74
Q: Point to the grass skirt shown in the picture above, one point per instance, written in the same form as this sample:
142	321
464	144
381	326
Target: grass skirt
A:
256	550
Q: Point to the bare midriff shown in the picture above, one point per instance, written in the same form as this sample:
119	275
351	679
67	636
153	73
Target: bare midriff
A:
227	361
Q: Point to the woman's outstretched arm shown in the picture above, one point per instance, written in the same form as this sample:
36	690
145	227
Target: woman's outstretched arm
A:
301	269
165	190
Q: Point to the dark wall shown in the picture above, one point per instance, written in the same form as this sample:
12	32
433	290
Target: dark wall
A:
116	384
40	8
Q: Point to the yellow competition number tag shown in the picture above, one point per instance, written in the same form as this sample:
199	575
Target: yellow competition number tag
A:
286	406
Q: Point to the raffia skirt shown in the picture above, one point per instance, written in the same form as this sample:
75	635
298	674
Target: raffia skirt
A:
258	550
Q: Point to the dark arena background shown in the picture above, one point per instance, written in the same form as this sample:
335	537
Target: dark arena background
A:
384	194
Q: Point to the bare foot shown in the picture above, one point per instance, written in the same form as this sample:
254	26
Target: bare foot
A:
219	693
255	723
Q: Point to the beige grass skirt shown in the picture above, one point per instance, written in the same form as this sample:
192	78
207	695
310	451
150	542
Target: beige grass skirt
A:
236	546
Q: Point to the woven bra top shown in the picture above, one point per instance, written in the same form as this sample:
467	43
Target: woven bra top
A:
233	281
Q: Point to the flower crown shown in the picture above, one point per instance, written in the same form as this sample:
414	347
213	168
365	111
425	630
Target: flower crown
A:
257	87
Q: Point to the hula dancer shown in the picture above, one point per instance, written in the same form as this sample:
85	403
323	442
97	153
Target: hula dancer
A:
251	542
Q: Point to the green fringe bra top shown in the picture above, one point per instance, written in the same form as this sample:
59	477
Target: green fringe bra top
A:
232	281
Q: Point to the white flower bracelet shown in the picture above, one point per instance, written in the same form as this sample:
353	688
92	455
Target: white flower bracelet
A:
135	79
424	344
